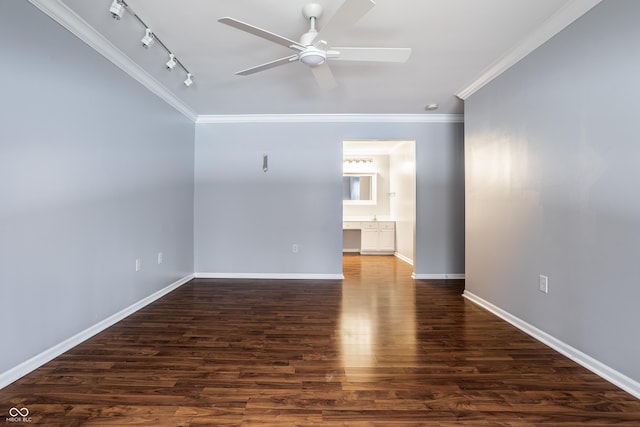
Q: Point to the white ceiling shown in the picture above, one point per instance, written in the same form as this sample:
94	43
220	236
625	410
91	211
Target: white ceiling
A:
453	41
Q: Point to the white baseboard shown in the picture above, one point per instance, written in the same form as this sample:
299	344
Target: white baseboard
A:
627	384
35	362
280	276
437	276
403	258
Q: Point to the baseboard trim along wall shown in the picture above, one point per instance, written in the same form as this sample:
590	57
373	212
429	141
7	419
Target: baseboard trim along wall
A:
437	276
35	362
404	258
627	384
280	276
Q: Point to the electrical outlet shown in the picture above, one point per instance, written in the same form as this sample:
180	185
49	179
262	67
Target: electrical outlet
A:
138	264
160	258
544	284
295	248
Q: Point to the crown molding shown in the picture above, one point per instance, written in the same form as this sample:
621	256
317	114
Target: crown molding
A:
331	118
571	11
60	13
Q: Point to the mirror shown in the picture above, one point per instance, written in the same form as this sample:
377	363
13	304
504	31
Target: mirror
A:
359	188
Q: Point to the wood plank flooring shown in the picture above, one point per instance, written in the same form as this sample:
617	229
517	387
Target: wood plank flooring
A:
377	349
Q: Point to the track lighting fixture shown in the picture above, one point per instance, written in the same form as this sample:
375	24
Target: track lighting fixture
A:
117	9
171	63
147	40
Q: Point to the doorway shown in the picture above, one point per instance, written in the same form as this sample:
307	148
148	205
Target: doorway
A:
384	222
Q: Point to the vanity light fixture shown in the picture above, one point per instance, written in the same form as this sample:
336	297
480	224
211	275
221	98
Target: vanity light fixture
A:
365	162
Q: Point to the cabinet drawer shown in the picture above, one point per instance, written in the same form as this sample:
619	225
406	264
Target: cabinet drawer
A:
350	225
370	225
387	225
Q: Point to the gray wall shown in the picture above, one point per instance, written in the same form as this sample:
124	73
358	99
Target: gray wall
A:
440	200
246	220
95	171
552	187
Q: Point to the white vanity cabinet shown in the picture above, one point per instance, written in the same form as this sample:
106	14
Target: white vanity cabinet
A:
369	240
376	237
387	236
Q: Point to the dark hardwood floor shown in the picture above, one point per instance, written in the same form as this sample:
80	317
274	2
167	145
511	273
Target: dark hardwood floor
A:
377	349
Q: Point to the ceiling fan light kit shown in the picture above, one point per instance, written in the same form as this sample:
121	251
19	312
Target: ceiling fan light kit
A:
313	49
312	56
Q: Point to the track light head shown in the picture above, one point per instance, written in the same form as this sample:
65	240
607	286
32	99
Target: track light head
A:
171	63
116	9
147	40
189	81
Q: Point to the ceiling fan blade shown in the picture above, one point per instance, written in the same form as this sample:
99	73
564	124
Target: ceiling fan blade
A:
347	15
268	65
374	54
243	26
324	76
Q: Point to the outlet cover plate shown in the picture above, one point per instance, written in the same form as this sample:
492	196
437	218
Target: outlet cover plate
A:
544	284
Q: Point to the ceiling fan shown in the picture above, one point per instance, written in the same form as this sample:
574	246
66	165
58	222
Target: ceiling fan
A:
313	48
